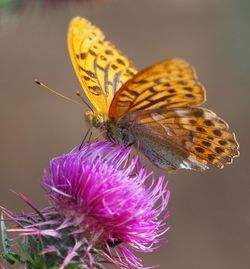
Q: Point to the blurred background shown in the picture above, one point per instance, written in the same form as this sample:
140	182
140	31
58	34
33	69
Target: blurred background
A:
210	213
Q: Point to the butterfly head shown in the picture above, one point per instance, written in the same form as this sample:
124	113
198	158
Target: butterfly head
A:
95	119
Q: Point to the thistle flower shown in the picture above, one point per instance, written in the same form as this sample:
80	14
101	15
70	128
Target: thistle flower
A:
104	205
104	195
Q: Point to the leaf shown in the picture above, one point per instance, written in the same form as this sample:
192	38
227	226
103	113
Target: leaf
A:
13	258
8	255
72	266
5	240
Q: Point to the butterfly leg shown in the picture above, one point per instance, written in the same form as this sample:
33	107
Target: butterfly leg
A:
130	144
99	134
91	133
84	138
138	147
172	170
137	168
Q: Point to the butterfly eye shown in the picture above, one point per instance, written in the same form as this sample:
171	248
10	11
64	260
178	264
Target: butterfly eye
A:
97	121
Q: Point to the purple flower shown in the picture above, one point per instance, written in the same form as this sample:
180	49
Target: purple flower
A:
110	199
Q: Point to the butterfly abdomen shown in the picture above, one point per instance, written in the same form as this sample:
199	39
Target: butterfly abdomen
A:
163	153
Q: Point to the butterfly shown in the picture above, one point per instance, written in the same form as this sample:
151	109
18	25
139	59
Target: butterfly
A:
156	109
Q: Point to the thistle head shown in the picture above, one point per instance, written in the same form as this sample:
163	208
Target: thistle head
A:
105	204
103	193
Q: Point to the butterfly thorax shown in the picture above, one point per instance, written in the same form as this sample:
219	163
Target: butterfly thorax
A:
120	132
96	119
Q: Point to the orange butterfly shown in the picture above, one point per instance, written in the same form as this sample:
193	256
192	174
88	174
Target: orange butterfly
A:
154	109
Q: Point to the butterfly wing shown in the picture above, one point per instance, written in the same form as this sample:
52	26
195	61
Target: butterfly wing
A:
196	135
159	103
171	83
100	67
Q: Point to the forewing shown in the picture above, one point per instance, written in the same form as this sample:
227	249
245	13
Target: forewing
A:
197	131
169	84
100	67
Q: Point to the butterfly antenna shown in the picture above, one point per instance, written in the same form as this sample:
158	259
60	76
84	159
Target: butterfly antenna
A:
57	93
79	95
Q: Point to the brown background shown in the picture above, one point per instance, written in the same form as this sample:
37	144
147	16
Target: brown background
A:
210	214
